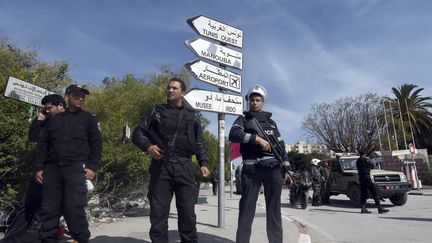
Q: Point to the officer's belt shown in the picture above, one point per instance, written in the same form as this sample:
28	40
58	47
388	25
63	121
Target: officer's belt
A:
177	159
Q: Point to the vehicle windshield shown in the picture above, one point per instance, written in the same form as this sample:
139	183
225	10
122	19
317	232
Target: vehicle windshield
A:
348	163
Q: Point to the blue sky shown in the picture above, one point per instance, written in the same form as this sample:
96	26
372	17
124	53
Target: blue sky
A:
303	52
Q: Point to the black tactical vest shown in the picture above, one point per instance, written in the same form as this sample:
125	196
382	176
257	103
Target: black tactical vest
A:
185	141
254	151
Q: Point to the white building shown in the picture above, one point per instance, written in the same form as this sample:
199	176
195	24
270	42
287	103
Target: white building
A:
306	148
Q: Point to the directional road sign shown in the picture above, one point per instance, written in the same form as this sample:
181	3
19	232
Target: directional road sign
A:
215	52
215	75
25	92
216	30
215	102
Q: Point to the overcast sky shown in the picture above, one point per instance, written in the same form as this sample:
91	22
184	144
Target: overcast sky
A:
303	52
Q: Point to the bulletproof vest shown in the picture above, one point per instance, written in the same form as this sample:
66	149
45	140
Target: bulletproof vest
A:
269	127
185	140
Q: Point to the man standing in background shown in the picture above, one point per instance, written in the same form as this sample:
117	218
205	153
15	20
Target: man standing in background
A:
69	152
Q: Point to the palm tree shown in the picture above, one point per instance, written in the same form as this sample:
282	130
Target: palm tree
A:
416	113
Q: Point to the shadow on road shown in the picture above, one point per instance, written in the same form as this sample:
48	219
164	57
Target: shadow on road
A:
172	234
409	218
115	239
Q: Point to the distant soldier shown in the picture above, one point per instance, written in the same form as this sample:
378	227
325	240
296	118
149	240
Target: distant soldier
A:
325	186
214	181
317	178
366	184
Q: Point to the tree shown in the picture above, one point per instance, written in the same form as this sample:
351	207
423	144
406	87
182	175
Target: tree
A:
415	109
348	124
16	154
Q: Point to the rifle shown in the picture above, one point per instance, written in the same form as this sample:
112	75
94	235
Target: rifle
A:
275	146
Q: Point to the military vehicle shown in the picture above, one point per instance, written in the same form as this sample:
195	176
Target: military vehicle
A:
388	184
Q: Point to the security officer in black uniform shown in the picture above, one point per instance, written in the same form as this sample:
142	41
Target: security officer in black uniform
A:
53	104
363	167
69	151
171	133
259	168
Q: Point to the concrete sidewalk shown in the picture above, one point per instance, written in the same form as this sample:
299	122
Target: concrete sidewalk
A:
136	230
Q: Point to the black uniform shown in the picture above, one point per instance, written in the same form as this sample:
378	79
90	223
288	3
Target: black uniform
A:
214	181
259	168
178	132
33	196
363	168
68	142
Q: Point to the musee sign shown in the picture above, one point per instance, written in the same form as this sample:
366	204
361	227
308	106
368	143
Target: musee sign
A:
215	102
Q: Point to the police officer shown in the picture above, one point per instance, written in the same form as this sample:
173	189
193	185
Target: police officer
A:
363	167
317	179
69	151
214	181
259	168
325	186
52	105
171	133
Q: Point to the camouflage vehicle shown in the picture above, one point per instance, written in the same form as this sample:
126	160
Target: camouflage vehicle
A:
344	180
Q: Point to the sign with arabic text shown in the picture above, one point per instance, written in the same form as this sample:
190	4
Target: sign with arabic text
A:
26	92
215	102
214	75
215	52
216	30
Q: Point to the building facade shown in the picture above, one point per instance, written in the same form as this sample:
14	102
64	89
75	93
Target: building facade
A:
306	148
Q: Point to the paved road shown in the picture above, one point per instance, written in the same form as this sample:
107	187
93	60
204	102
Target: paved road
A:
343	223
135	230
338	222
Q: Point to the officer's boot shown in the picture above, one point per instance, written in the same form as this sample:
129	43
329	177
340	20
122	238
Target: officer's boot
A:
382	210
364	210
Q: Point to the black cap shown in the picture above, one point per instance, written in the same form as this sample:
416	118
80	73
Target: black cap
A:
74	88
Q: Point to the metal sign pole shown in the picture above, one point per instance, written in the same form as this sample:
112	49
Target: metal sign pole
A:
221	152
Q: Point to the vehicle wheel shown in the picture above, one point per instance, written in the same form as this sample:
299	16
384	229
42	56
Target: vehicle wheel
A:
399	199
304	199
354	195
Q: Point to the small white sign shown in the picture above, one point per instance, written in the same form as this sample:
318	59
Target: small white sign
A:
216	30
215	102
215	52
214	75
25	92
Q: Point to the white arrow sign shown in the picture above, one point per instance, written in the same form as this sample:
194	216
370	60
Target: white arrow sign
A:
216	30
215	52
215	102
215	75
25	92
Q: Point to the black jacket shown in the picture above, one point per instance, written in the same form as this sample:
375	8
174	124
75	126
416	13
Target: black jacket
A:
158	125
68	138
35	129
363	168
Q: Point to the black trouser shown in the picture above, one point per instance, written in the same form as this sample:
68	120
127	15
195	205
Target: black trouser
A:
325	192
215	187
365	185
252	177
64	191
27	214
167	178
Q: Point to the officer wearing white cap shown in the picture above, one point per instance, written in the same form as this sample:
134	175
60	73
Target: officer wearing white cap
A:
259	168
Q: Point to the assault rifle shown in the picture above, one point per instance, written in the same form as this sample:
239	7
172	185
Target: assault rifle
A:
275	146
